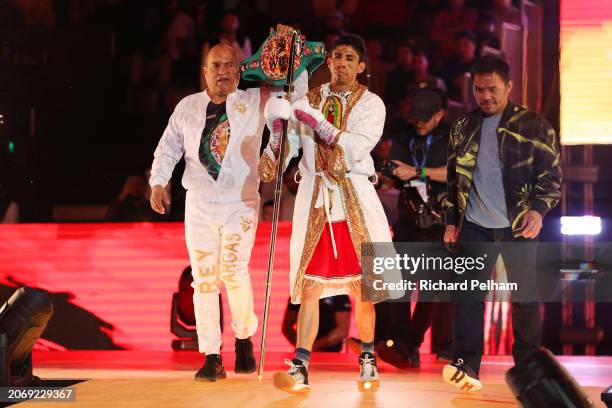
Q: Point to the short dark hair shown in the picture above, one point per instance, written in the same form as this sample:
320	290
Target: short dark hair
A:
468	35
489	64
352	40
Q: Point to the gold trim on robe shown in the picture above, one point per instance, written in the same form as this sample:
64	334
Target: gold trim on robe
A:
267	167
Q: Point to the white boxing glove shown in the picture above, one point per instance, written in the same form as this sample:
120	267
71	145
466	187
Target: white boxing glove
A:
277	108
304	105
313	118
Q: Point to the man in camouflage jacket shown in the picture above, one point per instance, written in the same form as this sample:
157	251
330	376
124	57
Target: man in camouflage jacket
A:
530	160
504	175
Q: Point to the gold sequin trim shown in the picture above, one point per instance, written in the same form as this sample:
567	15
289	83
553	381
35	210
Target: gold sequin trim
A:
314	97
267	168
350	286
314	229
360	235
356	93
336	166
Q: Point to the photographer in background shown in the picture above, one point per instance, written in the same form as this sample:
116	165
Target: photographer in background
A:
418	164
418	153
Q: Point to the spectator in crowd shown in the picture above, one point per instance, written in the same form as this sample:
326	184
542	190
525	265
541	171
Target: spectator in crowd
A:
422	77
401	75
181	34
322	8
382	13
334	323
425	14
179	70
334	23
377	69
456	17
504	12
132	204
459	63
229	34
486	36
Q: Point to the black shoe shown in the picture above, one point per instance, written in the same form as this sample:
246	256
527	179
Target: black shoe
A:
389	352
245	360
414	357
212	370
461	376
295	380
411	353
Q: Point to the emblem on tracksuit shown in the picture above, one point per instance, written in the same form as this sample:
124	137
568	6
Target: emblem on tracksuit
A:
240	107
246	223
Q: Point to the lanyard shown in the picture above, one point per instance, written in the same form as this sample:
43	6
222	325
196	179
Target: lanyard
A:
415	162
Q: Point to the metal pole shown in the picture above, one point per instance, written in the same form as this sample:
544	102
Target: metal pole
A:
277	196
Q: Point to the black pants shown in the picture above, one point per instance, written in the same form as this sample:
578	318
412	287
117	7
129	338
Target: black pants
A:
519	261
393	319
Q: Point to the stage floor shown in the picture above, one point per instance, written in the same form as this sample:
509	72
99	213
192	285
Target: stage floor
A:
165	379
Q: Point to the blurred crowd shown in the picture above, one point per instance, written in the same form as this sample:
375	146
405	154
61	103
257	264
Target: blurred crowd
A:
161	44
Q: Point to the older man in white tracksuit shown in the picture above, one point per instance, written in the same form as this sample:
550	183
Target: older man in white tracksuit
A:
218	131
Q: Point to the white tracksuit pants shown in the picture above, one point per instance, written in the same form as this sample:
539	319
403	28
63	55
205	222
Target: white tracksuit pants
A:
220	237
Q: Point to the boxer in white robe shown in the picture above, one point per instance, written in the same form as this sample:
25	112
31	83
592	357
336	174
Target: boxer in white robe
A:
336	207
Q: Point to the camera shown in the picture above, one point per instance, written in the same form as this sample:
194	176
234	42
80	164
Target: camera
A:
411	204
424	214
386	168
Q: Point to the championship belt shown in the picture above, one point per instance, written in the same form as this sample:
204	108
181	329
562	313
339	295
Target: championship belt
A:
271	61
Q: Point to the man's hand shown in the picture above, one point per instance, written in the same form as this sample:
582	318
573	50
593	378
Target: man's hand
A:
159	199
275	135
531	224
403	170
451	234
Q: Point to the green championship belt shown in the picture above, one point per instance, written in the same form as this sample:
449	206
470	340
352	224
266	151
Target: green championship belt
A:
271	60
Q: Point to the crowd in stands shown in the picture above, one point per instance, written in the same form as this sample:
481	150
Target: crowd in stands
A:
161	44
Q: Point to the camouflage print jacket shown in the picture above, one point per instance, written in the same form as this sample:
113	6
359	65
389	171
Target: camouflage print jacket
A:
529	156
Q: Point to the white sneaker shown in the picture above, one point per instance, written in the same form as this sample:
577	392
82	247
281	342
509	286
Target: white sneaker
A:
461	376
368	374
295	380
